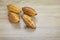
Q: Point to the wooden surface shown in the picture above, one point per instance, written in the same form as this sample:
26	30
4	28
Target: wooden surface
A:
47	21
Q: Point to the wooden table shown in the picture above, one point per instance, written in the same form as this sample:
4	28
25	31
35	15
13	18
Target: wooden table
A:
47	21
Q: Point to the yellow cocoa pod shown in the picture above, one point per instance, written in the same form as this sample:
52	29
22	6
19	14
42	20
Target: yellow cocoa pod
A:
28	21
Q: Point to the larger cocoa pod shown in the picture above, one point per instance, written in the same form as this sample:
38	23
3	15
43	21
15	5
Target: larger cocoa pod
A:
28	21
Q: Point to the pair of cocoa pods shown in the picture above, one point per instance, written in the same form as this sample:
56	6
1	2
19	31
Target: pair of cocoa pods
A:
14	15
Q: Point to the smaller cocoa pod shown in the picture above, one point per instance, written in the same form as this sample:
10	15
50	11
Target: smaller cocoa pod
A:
13	8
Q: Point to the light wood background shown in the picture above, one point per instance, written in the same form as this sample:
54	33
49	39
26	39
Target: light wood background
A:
47	21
